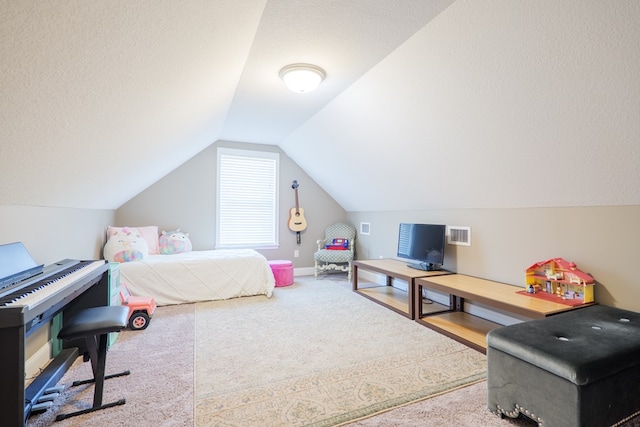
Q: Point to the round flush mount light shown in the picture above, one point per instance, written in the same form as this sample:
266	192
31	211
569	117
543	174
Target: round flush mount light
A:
302	78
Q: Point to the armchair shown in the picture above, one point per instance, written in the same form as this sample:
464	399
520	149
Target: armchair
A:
329	259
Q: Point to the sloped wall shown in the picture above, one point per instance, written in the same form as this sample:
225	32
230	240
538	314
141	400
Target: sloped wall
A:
493	104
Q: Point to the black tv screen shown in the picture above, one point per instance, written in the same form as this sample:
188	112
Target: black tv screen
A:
423	243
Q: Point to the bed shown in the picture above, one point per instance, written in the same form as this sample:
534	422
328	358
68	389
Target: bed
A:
199	276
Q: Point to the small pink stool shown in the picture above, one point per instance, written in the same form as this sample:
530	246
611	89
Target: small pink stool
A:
282	272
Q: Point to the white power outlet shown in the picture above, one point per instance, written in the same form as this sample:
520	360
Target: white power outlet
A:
296	253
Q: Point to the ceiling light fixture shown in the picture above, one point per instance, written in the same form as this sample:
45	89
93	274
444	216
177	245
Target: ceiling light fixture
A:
302	78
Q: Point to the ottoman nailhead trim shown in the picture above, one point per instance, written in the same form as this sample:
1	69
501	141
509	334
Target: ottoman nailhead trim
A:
624	420
520	410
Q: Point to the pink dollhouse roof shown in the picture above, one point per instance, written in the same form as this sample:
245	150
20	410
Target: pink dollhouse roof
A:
565	266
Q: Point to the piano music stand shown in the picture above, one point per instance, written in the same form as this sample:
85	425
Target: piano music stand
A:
94	325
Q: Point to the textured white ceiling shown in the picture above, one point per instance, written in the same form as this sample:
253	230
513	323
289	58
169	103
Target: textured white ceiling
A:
427	104
344	38
492	104
102	98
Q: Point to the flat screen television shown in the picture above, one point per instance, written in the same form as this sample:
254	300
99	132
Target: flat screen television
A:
422	243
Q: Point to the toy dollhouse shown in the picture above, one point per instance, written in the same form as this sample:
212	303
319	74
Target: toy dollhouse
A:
560	278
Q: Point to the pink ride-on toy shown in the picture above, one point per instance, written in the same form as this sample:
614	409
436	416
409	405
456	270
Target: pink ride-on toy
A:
140	308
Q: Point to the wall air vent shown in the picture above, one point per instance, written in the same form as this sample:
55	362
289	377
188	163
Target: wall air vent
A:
457	235
365	228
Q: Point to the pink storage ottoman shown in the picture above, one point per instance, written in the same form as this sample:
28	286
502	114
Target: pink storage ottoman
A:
282	272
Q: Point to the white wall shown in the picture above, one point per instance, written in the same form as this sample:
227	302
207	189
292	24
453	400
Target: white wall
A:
53	234
602	241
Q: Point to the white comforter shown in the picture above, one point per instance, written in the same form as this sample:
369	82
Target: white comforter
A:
199	276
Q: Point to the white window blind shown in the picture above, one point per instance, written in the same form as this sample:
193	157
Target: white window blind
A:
247	199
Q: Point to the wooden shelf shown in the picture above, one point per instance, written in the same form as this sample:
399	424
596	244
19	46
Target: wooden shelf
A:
462	327
391	297
472	330
450	320
397	300
494	294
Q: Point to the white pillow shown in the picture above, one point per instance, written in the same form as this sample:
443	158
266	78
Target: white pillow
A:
126	245
149	233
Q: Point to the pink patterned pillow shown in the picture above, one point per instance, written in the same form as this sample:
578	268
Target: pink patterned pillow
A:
149	234
126	245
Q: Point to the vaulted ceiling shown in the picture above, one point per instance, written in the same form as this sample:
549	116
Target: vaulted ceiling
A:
427	103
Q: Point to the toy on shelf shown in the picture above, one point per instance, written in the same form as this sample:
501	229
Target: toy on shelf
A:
339	244
561	280
140	308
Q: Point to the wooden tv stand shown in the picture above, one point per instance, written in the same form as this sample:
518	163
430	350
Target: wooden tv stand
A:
469	329
451	319
395	299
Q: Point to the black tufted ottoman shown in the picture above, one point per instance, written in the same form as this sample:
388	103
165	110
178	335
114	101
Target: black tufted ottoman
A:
580	368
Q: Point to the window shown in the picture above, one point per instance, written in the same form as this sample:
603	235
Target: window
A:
247	199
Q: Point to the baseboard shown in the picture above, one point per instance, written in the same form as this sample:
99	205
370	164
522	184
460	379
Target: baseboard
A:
304	271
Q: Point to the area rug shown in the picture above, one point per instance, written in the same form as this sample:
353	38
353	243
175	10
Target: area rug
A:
317	354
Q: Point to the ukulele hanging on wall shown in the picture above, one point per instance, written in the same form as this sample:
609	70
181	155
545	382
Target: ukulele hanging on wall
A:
297	222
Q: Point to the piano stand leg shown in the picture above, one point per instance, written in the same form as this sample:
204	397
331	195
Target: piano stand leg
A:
86	325
106	377
61	417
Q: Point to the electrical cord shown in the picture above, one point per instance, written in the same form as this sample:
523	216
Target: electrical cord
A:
426	300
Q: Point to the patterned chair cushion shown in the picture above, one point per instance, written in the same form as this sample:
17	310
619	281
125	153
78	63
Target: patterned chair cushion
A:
329	255
339	230
329	259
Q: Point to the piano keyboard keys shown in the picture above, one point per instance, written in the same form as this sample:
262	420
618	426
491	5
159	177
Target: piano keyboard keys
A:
50	285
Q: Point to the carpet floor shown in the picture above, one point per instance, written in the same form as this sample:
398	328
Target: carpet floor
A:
314	354
159	391
317	354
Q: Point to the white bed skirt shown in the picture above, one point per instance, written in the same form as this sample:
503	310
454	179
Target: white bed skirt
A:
199	276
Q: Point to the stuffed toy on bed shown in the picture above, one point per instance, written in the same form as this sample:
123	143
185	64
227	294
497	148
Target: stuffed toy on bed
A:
174	242
126	245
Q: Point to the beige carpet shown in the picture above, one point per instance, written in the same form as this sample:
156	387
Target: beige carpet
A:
317	354
290	346
159	391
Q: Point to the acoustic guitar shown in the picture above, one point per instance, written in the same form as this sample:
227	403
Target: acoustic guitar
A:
297	222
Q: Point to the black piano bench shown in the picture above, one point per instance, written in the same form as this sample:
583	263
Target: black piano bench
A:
94	325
